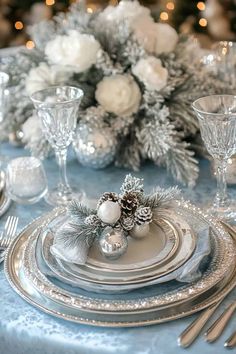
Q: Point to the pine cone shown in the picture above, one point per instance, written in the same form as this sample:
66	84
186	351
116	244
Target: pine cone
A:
113	197
143	215
92	220
127	223
129	203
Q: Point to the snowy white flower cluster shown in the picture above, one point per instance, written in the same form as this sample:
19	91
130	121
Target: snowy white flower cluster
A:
77	52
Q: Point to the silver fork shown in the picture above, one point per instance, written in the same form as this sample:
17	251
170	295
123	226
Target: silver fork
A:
8	234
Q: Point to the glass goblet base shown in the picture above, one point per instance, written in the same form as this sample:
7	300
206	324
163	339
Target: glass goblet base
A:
226	213
54	197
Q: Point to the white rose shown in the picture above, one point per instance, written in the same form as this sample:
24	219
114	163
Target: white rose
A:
151	72
32	129
145	32
166	38
156	38
124	11
44	76
75	49
119	94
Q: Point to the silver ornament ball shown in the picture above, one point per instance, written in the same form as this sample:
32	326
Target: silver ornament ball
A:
95	147
113	243
140	231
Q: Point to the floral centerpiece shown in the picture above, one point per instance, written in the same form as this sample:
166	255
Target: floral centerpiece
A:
139	78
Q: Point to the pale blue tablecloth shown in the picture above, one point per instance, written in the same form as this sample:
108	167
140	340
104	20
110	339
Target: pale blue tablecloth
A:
26	330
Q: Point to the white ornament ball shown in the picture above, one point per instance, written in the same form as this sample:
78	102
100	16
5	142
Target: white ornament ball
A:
109	212
139	231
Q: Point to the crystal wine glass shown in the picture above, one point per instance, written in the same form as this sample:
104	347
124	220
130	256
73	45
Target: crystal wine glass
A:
58	108
4	78
217	120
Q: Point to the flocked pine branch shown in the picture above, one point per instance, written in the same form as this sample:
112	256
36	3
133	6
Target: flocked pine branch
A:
105	63
42	33
121	125
131	53
74	235
79	211
120	33
132	184
180	162
128	154
154	136
161	198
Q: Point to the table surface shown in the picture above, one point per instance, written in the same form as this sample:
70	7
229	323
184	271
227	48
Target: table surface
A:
26	330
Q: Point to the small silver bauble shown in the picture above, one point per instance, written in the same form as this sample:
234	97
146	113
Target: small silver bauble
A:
95	147
113	243
140	231
109	212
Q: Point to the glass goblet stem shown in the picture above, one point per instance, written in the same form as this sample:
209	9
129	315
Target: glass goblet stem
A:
221	198
63	186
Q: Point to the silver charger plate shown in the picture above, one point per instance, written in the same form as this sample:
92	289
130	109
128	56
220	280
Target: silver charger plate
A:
25	287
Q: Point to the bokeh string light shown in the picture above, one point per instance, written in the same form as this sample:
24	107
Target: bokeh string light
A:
164	16
203	22
30	44
19	25
49	2
170	5
201	6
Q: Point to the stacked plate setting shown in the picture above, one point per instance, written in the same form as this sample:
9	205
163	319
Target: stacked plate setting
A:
165	276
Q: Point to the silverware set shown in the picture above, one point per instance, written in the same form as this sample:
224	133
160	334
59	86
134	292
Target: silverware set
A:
188	336
7	235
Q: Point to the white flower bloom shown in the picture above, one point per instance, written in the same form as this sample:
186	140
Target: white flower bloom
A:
151	72
119	94
124	11
144	30
75	49
32	129
44	76
166	38
156	38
